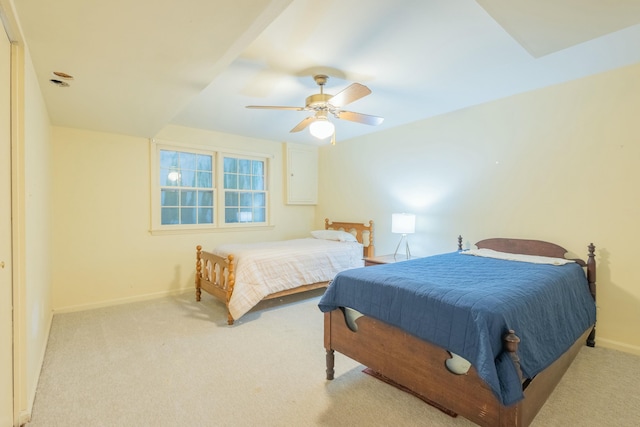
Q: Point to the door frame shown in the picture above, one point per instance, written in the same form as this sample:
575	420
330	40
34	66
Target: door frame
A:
8	320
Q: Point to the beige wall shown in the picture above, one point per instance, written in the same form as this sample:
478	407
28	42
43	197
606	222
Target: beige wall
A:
104	253
559	164
37	238
31	222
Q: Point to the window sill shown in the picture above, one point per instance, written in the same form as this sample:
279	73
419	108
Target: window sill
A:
167	232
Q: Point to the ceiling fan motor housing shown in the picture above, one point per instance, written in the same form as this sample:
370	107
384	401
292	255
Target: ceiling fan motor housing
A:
318	101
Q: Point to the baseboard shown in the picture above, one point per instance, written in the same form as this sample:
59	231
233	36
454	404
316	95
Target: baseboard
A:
617	345
119	301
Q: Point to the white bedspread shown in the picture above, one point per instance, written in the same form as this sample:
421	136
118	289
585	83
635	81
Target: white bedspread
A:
268	267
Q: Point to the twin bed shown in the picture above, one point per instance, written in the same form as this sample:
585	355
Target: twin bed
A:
241	275
485	334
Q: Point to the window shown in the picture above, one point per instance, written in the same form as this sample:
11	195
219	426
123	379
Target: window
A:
186	188
195	188
245	196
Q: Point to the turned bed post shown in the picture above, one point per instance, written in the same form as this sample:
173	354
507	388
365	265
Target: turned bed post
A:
198	271
511	341
330	361
231	281
591	278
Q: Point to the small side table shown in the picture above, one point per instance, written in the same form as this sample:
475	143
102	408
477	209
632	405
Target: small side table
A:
385	259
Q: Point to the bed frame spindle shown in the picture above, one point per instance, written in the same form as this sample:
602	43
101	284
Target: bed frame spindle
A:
198	271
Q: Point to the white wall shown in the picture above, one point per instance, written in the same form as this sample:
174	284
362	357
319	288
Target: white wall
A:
560	164
104	252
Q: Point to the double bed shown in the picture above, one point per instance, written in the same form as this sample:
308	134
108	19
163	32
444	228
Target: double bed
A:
486	334
241	275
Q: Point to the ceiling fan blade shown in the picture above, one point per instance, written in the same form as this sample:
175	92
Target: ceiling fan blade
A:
303	124
352	93
360	118
272	107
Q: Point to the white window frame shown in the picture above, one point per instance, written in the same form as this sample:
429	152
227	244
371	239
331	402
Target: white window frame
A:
218	155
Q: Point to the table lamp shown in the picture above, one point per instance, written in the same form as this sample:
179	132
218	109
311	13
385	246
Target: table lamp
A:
403	223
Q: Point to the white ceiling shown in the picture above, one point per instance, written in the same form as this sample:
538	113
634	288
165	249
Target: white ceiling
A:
140	65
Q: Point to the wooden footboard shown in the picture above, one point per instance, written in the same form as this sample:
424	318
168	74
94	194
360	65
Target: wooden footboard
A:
420	366
216	276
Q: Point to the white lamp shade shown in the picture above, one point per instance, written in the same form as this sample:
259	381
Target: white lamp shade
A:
321	128
403	223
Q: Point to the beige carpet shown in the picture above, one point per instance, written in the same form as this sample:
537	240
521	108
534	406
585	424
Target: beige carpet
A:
174	362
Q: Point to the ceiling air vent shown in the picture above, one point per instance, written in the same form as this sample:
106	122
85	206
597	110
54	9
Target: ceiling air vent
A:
64	76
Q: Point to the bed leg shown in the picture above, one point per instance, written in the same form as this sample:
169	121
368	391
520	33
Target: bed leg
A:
330	364
198	271
511	341
591	339
591	278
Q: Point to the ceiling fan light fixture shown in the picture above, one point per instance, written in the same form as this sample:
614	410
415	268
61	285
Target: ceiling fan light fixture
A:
322	128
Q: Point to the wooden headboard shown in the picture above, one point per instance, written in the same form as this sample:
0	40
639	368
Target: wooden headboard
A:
362	232
542	248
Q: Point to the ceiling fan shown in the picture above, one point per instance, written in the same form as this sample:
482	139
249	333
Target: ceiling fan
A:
323	104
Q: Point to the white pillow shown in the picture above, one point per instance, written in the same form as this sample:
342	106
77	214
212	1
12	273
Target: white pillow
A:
341	236
489	253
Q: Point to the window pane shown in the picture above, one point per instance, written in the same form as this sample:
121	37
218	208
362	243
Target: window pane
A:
205	216
168	159
204	162
245	199
187	216
244	166
259	199
230	165
245	215
205	198
188	178
169	177
258	167
244	182
169	216
231	198
259	215
187	161
187	198
204	180
258	183
230	215
230	181
169	197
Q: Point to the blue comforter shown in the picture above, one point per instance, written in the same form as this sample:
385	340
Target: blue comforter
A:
466	304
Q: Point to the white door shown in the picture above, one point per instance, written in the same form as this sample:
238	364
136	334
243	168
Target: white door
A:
6	287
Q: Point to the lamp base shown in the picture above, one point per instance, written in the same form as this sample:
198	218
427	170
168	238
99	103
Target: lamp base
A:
406	247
